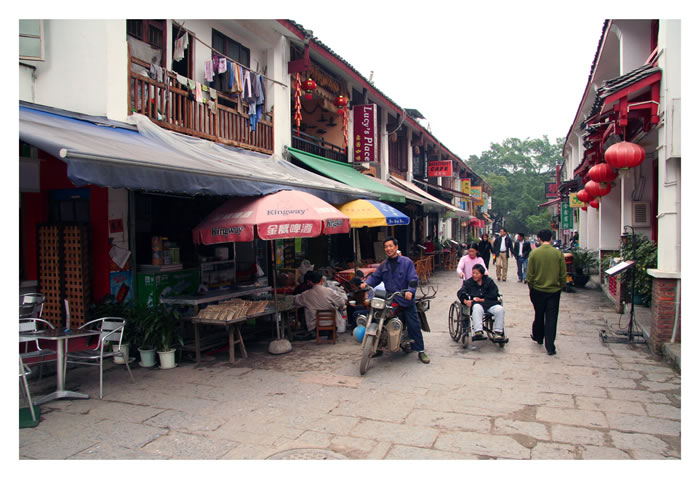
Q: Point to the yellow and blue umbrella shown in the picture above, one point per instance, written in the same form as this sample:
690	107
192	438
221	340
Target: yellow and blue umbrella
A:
372	213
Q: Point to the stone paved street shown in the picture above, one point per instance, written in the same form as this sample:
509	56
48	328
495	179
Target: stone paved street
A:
589	401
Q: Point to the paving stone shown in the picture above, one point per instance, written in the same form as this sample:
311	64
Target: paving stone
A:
250	451
185	422
597	452
649	425
189	446
113	451
553	450
654	386
57	449
532	429
353	447
132	436
577	435
609	405
639	396
638	442
663	410
573	417
308	439
479	444
123	412
448	421
380	451
395	433
415	453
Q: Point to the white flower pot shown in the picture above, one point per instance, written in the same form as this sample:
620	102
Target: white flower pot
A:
167	359
148	358
125	351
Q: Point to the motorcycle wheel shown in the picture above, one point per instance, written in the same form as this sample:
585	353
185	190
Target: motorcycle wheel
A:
366	356
455	323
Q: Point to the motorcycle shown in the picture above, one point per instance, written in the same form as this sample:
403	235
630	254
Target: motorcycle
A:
384	329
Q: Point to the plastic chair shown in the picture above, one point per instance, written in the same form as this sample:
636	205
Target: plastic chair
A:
31	305
325	321
111	331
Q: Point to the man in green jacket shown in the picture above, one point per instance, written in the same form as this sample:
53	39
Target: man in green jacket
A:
546	277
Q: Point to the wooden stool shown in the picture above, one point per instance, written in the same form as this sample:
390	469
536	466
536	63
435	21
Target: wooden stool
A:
325	321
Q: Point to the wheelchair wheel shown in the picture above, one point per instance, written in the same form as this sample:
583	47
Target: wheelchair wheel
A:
455	321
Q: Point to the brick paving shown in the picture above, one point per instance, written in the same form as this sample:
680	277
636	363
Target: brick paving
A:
590	401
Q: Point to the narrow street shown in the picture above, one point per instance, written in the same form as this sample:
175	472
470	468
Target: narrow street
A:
589	401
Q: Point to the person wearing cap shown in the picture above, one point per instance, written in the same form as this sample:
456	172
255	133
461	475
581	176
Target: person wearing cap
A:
467	262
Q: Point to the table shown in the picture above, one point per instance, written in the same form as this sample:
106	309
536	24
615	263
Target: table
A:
349	274
196	300
61	337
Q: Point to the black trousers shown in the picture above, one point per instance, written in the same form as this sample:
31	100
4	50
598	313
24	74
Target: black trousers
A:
546	315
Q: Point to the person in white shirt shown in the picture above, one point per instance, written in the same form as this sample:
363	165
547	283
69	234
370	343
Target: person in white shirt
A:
320	298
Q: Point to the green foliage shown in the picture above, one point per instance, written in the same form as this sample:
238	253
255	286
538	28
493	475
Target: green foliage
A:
645	253
160	328
108	306
585	260
517	171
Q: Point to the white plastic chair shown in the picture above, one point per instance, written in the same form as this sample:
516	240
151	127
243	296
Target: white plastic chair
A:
111	330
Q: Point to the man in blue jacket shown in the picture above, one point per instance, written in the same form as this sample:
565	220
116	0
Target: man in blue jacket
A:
396	272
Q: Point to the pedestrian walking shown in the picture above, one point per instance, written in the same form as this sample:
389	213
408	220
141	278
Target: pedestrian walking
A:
546	277
467	262
485	249
502	248
521	251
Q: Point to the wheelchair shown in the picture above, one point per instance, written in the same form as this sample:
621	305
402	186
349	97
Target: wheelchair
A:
461	327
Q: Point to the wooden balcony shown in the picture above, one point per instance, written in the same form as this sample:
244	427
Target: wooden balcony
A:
318	146
171	106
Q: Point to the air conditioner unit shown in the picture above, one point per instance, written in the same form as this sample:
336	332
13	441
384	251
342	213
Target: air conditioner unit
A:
641	214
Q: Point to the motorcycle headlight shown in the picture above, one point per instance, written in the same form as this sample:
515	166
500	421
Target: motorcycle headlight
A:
361	320
378	303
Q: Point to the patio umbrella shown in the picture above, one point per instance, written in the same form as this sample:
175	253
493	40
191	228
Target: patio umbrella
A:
371	213
282	215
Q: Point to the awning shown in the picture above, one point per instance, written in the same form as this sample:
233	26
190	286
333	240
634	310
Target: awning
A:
345	173
550	203
413	188
429	206
153	159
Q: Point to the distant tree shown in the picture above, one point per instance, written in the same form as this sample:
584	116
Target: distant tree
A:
517	171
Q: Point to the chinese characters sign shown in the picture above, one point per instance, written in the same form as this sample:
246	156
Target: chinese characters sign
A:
365	148
476	194
550	190
574	202
440	168
466	186
567	221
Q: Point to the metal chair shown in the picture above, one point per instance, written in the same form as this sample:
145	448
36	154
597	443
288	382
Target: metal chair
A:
31	305
325	321
111	331
24	371
30	349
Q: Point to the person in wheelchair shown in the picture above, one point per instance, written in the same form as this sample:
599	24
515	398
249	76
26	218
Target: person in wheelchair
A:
484	297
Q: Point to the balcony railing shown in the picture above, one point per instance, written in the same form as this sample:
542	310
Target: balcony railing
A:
170	106
318	146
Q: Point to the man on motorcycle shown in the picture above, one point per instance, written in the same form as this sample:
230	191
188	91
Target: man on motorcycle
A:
484	297
396	272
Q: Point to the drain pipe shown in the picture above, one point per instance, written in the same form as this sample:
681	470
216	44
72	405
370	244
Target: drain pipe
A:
675	317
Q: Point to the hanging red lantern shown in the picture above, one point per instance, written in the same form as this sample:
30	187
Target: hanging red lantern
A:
624	155
309	86
341	102
584	208
594	204
596	189
602	173
583	196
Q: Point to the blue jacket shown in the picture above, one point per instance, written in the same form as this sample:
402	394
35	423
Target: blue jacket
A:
396	281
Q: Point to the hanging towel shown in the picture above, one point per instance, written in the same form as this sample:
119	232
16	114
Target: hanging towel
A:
230	77
260	94
156	72
180	45
212	94
191	84
246	86
208	71
237	87
181	80
198	92
222	65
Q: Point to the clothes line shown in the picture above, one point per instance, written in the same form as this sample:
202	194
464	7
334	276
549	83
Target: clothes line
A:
180	27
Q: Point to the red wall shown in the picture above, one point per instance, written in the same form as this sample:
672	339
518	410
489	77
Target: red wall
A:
53	176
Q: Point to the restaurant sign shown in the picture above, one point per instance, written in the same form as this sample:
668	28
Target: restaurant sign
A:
550	190
476	194
466	186
364	121
574	202
440	168
567	221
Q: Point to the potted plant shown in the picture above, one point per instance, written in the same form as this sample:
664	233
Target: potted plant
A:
109	306
644	252
144	337
585	264
162	327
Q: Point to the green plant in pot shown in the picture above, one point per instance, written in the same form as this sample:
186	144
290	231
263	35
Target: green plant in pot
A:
162	328
644	252
585	264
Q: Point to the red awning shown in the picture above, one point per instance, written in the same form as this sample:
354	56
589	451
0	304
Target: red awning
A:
550	203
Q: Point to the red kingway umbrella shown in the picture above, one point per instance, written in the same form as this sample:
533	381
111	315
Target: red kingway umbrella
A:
281	215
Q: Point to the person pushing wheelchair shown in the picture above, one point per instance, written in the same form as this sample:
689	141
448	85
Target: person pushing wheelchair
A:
484	297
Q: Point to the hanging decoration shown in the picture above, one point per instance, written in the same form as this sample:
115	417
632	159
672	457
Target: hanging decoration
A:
602	173
594	204
297	102
342	102
596	189
309	86
583	196
584	208
624	155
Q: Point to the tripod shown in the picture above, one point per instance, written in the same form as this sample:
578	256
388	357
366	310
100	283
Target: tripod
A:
629	336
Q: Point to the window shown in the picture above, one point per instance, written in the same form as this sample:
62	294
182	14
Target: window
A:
149	31
31	40
231	49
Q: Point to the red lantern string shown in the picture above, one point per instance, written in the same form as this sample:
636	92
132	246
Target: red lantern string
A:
297	102
345	127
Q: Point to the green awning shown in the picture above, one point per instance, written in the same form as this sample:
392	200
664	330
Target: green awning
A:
345	173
